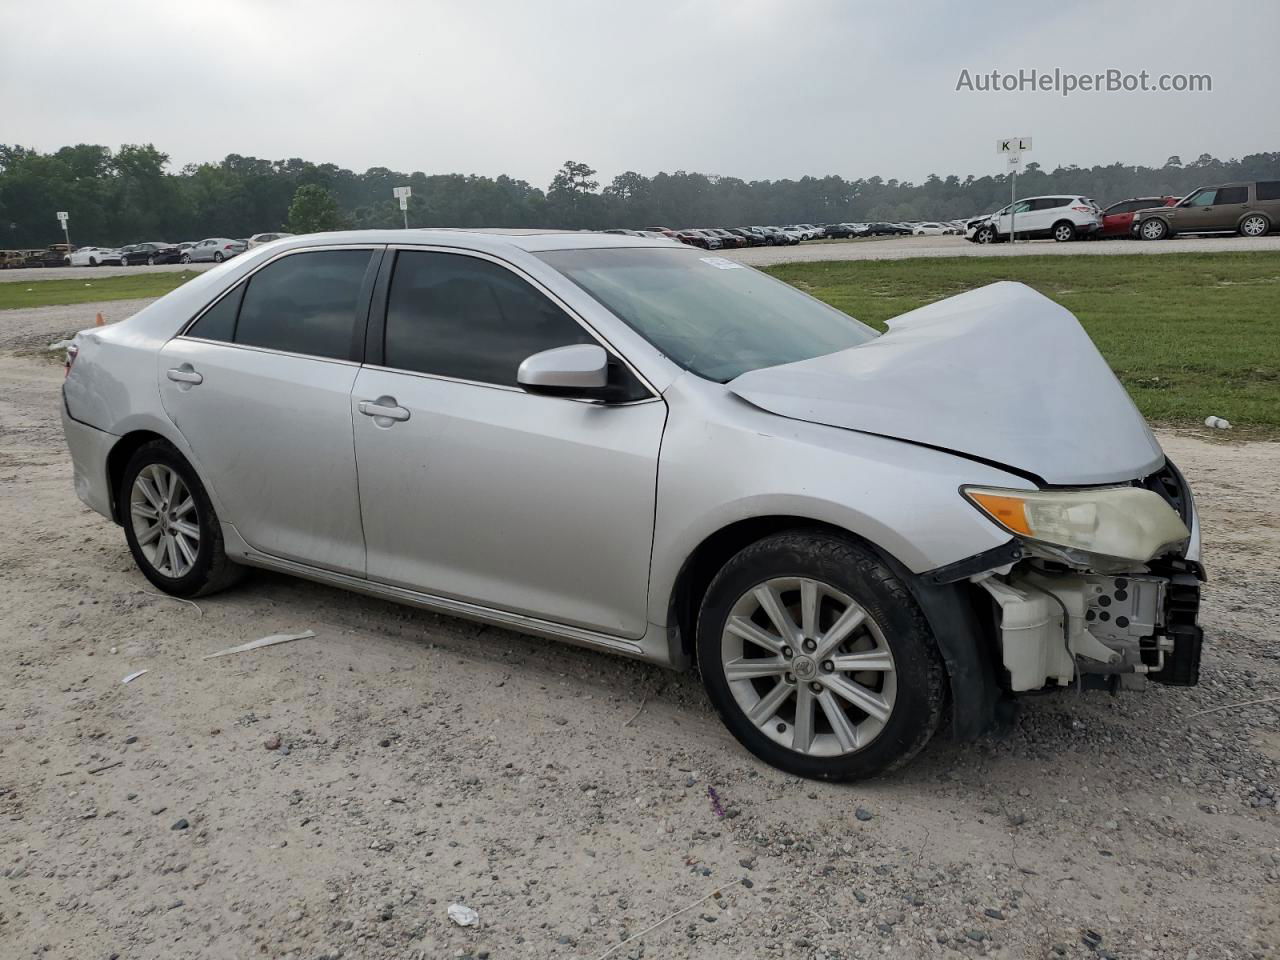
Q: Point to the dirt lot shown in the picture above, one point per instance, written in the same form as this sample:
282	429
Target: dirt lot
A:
565	795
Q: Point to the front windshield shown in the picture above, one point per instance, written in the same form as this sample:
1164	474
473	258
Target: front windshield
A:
710	315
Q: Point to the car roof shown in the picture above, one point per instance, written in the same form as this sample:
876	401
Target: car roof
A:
532	241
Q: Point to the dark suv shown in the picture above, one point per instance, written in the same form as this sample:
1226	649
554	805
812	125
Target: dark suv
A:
1251	209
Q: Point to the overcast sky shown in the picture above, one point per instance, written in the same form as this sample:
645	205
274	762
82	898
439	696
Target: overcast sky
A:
734	87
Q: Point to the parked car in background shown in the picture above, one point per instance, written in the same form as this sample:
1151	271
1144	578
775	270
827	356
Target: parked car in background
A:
1061	218
929	229
1117	219
696	238
216	249
730	240
855	546
753	239
150	252
88	256
258	239
54	255
1251	209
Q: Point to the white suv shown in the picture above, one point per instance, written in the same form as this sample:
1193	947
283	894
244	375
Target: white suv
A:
1058	217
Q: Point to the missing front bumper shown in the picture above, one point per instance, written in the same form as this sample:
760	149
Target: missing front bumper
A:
1055	626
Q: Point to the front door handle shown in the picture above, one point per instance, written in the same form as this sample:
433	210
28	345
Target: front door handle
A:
185	374
384	408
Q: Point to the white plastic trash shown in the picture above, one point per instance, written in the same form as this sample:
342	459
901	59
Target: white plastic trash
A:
463	916
1217	423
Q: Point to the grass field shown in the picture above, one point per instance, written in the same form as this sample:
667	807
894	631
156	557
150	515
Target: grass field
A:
1189	334
44	293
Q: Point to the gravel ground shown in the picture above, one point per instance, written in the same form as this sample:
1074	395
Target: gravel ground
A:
902	248
886	248
331	797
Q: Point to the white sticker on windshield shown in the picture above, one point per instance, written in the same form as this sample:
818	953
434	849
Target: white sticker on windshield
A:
720	263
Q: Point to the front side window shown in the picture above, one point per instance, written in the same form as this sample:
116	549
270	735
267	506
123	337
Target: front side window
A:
710	315
1201	198
305	303
460	316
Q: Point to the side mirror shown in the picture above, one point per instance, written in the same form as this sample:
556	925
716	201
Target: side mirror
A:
579	370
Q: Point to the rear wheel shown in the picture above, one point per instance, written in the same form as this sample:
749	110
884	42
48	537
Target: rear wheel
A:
170	525
1254	225
1154	229
217	256
818	659
1064	231
186	258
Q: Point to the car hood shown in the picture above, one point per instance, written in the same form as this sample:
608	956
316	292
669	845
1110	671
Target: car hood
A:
1001	374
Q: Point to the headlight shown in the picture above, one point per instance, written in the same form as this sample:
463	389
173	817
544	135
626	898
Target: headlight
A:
1128	523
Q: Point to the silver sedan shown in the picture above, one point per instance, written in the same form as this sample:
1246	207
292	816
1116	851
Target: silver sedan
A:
658	452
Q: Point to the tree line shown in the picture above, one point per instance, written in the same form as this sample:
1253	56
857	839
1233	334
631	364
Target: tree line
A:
130	194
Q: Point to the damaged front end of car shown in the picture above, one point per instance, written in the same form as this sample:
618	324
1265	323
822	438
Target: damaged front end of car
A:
1099	586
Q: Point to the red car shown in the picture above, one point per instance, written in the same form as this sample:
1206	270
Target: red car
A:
1118	217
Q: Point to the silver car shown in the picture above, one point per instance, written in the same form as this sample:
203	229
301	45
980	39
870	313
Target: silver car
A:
658	452
215	249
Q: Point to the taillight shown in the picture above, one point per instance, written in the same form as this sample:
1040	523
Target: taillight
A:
227	247
1083	209
72	352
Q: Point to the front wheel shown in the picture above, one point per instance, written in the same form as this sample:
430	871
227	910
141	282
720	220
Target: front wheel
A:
1254	225
1063	232
818	659
170	525
985	235
1153	230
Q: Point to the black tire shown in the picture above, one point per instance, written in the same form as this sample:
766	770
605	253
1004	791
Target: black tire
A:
985	235
212	570
217	256
151	261
93	262
1064	231
185	258
1153	229
1261	230
921	697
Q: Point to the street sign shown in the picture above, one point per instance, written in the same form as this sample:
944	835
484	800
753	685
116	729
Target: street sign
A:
1013	144
1011	148
1015	162
404	203
62	217
402	193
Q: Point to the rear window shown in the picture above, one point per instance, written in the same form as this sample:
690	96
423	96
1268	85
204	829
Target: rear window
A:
305	303
1268	189
1233	195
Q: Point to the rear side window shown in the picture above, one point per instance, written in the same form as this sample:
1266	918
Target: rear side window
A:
305	303
1268	189
459	316
1233	195
219	321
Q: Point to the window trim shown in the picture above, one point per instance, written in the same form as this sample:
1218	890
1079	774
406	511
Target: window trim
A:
375	337
356	350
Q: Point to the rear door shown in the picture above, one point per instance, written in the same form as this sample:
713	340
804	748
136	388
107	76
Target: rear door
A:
260	386
475	490
1229	206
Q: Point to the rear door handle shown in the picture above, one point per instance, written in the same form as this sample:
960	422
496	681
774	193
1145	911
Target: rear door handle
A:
185	374
383	408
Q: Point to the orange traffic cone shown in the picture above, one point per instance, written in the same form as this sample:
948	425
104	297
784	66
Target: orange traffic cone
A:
99	322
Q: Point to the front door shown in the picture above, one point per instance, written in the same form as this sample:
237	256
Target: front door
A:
260	387
1194	214
473	489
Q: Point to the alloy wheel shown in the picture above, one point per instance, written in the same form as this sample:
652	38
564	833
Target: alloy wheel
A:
1253	227
808	666
1063	233
1153	230
165	523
